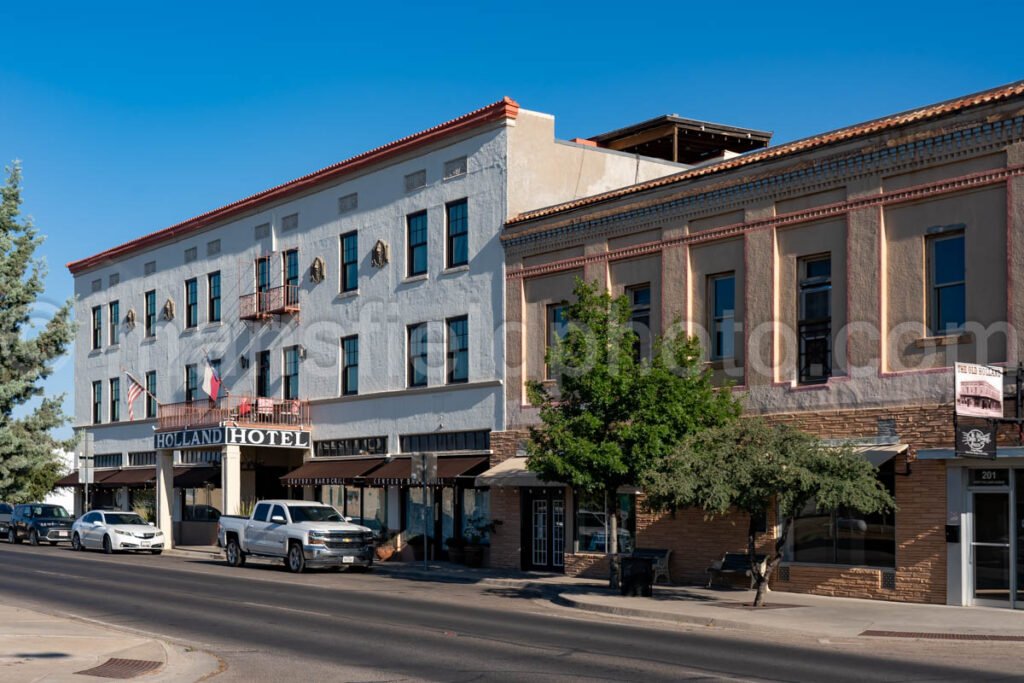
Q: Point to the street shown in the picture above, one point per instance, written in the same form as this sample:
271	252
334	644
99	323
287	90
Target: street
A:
266	624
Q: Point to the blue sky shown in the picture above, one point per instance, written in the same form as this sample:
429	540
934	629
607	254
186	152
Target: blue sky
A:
131	116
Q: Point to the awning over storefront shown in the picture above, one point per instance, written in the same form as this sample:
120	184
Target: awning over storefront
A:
450	468
132	476
511	472
332	472
196	477
879	455
461	466
72	479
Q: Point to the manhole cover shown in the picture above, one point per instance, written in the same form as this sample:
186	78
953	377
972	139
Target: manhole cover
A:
121	668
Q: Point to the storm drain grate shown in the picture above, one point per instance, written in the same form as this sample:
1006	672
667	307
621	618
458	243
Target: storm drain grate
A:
121	668
944	636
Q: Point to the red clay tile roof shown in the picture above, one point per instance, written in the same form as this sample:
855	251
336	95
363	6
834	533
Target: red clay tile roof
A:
841	135
506	108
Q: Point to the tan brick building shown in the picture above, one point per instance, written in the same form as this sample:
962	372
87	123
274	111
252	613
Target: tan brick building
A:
833	281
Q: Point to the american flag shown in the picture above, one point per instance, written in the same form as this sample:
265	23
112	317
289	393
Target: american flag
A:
134	391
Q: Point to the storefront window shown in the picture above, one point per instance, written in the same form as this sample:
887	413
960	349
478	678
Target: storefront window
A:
375	506
592	526
846	536
417	514
476	504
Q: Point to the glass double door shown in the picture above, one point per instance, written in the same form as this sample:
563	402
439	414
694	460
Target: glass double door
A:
997	544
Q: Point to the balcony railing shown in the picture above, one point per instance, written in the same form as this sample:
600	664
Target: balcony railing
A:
234	410
272	301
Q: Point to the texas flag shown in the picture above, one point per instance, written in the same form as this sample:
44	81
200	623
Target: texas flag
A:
211	381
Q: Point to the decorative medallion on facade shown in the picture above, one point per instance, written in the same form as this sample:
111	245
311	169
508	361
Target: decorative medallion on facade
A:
317	270
380	255
169	309
129	318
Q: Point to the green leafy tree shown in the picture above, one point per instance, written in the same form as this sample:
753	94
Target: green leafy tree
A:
751	466
29	464
611	416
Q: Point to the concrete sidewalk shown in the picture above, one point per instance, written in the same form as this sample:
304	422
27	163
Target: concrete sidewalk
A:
35	646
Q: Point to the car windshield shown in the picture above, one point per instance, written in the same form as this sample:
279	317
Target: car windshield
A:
123	518
49	511
314	513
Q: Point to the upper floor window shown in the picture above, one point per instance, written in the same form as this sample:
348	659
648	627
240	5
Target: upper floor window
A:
349	262
151	393
191	302
263	373
262	274
457	215
213	294
115	400
416	238
722	310
150	312
417	354
557	328
291	275
458	349
640	320
815	323
191	382
947	305
291	372
350	365
97	327
97	402
114	312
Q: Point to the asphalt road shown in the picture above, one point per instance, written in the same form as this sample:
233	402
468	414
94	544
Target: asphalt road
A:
269	625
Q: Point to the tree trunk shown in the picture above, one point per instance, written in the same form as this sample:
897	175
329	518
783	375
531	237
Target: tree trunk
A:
611	544
771	564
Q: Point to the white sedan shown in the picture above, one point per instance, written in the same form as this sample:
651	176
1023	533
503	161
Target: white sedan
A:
112	531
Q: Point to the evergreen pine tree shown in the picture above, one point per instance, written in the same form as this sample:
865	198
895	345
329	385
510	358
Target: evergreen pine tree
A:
29	464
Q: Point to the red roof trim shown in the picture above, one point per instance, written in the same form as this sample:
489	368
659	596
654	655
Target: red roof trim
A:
506	108
841	135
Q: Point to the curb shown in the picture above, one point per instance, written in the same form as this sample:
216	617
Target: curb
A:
565	601
195	554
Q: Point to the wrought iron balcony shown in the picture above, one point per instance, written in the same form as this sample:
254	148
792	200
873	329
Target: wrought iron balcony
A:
273	301
234	410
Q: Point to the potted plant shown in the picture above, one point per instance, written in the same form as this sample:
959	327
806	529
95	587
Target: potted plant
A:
456	550
477	528
387	547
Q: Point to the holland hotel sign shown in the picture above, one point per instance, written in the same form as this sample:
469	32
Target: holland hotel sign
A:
231	436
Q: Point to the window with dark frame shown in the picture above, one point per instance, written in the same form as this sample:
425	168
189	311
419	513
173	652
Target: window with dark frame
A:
97	327
115	399
350	262
291	373
334	448
191	302
262	265
640	320
213	294
417	354
151	393
457	226
416	239
814	326
458	349
114	330
291	276
440	442
149	304
191	382
947	302
722	314
97	402
263	374
350	365
557	328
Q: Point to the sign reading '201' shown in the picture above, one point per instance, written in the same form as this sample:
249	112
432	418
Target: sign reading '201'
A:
232	436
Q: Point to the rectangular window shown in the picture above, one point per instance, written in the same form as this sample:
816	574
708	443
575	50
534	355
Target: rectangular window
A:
97	327
115	400
191	254
191	302
213	297
349	202
640	320
291	276
722	310
416	238
291	372
455	168
593	528
150	312
458	349
151	393
457	215
845	536
349	262
114	325
350	366
415	180
368	445
558	327
417	354
947	305
262	274
814	328
263	373
97	402
191	382
289	222
435	442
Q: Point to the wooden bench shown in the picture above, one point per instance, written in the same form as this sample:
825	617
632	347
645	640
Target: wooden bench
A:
659	558
734	564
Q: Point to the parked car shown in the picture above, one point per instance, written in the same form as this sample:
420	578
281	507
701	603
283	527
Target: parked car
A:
302	533
6	510
115	530
39	522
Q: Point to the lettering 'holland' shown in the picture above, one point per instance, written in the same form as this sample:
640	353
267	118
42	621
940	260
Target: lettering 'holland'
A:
233	436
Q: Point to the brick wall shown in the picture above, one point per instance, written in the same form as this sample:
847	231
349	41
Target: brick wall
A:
504	445
507	539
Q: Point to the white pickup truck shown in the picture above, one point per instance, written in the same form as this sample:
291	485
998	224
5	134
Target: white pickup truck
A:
303	533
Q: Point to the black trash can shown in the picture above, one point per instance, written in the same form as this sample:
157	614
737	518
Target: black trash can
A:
637	576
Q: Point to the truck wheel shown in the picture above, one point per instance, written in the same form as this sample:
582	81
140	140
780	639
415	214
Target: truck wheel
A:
12	536
33	537
108	548
296	561
76	543
234	555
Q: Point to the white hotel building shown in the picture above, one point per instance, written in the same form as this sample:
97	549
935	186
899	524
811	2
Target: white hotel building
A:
355	315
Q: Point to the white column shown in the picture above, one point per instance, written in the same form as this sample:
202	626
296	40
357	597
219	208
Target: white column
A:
230	479
126	499
165	494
